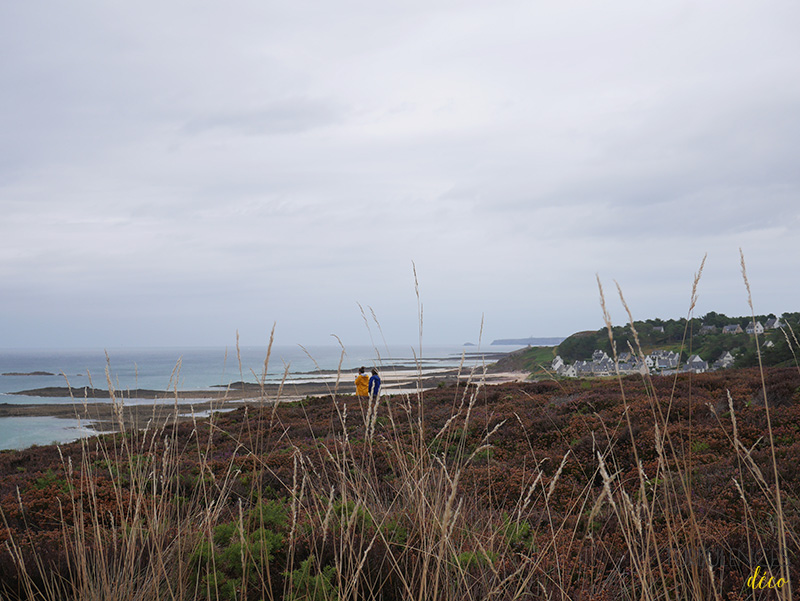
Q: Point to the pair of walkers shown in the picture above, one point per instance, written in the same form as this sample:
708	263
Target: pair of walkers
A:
368	387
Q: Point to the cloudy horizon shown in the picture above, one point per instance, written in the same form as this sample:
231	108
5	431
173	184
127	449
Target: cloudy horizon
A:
172	173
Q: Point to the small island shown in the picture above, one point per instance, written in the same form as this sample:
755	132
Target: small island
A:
30	373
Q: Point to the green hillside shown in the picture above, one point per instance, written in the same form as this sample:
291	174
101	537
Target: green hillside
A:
777	345
534	359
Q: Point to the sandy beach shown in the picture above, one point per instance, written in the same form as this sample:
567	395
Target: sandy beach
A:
93	406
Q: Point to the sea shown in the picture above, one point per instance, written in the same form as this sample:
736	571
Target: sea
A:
191	369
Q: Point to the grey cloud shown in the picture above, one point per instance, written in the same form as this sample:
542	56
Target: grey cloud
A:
291	156
284	117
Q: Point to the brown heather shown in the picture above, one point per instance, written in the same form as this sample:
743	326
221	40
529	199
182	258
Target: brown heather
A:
639	488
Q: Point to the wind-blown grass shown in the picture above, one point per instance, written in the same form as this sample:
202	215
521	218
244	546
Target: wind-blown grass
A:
631	488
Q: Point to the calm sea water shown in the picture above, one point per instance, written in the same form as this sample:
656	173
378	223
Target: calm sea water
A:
23	432
189	369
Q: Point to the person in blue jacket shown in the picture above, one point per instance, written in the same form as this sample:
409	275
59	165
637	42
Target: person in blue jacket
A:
374	385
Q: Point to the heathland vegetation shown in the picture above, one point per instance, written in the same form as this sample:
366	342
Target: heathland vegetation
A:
639	487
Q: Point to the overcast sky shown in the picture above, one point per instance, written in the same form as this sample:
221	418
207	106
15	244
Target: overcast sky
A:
171	172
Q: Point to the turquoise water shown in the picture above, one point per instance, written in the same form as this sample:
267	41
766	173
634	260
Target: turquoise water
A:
188	369
23	432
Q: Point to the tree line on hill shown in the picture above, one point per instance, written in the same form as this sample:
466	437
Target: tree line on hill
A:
778	345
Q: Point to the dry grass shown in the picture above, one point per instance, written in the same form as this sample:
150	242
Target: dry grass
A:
342	529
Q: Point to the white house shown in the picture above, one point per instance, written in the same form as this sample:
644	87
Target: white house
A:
725	361
754	329
696	364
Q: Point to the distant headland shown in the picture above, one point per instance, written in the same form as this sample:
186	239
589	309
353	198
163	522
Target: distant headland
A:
529	341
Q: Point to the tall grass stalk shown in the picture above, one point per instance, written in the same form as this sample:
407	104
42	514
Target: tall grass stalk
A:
377	503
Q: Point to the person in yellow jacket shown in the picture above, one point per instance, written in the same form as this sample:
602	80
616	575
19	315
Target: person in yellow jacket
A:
362	384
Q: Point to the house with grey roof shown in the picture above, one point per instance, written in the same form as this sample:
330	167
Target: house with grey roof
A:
664	364
696	364
733	328
725	361
626	367
773	323
604	367
660	360
754	328
583	368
